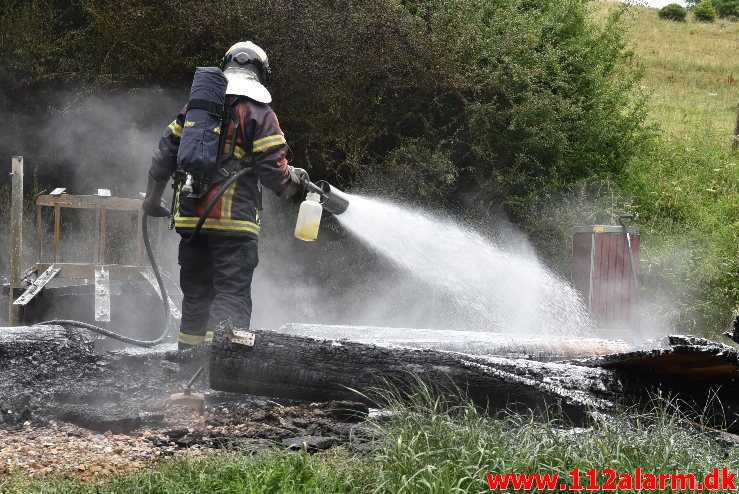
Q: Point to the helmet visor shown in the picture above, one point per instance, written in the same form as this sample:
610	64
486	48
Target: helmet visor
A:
244	82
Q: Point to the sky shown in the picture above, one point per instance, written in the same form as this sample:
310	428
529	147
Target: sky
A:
655	3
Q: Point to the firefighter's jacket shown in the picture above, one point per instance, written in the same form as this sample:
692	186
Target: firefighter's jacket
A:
261	146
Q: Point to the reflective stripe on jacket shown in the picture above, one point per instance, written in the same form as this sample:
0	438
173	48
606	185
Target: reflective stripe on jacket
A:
260	145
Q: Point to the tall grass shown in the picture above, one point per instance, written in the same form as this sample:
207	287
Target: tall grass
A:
685	188
690	69
432	444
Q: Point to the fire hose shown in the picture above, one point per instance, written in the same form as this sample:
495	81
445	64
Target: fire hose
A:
160	282
332	200
110	334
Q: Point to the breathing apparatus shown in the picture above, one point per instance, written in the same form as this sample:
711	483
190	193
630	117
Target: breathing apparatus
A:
321	194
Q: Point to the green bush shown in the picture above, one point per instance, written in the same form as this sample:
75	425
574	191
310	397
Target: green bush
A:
673	12
726	8
491	102
705	12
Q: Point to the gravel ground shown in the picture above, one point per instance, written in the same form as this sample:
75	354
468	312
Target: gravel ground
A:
249	425
70	450
65	409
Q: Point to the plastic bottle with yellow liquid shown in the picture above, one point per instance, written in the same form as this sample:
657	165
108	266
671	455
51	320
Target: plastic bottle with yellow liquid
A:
309	218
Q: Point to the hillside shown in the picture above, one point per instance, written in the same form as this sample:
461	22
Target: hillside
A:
686	188
691	70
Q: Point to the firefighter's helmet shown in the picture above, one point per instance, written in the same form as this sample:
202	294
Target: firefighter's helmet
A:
246	67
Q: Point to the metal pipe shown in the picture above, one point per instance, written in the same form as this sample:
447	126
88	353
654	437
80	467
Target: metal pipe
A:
16	238
632	270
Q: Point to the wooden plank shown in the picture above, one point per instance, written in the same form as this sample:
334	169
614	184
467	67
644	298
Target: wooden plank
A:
118	272
615	241
581	248
102	294
16	236
596	310
618	266
604	278
90	202
39	234
610	279
57	232
37	285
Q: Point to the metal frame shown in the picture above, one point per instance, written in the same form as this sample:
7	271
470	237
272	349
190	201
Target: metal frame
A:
102	204
98	270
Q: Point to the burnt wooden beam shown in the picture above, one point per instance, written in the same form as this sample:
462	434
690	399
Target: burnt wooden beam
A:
286	366
16	237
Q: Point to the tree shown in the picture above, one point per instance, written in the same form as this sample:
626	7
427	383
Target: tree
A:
726	8
449	101
673	12
704	11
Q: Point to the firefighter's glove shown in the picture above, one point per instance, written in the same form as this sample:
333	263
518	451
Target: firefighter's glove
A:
152	205
296	185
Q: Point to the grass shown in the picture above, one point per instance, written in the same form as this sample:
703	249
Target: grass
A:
685	188
432	445
691	71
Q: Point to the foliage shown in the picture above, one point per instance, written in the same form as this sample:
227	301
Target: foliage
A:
690	4
686	192
432	444
705	12
496	99
465	104
673	12
727	8
683	189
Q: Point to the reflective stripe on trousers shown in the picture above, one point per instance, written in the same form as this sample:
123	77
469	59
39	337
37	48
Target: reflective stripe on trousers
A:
194	339
215	277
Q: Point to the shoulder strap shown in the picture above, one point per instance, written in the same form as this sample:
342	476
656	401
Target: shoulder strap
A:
213	108
229	115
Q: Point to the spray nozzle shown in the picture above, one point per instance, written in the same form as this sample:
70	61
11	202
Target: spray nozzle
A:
332	199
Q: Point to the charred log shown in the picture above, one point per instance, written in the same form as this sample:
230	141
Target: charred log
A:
286	366
48	348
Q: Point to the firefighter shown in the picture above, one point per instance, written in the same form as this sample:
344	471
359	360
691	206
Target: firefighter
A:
216	267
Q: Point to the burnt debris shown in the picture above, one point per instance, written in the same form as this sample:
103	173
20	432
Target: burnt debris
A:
301	392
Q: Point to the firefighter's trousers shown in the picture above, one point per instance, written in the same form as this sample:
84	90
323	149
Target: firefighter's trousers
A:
215	277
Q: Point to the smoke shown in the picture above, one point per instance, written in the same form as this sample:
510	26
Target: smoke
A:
85	141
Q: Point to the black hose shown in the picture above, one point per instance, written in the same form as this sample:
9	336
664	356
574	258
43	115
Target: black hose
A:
120	337
157	274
